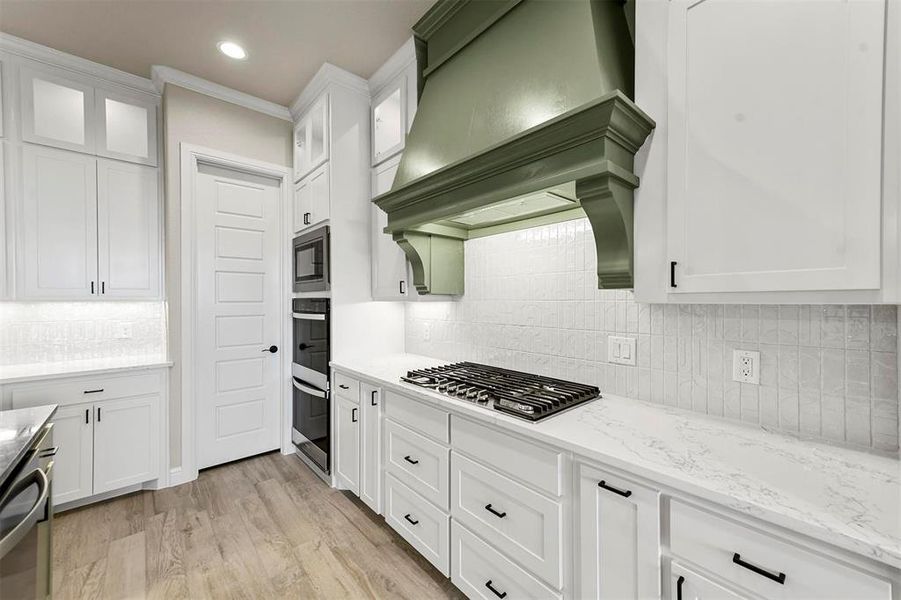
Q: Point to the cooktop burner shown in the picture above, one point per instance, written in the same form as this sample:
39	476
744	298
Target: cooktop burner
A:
527	396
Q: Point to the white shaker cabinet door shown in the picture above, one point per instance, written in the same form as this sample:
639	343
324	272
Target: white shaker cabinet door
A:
56	111
371	447
389	263
126	442
128	222
347	444
73	465
58	234
127	127
774	145
619	543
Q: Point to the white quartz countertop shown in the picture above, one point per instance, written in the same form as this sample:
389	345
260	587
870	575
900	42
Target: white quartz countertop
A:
848	498
93	366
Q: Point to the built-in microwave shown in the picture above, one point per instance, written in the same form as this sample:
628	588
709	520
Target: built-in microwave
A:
311	261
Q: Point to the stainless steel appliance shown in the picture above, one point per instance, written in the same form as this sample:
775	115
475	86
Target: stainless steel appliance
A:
527	396
26	514
310	369
311	261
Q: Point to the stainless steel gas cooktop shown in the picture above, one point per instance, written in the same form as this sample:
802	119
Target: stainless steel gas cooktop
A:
524	395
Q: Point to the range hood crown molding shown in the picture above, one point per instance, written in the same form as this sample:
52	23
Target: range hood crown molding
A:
483	71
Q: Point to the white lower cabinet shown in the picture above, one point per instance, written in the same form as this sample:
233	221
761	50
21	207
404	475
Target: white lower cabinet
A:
619	537
480	571
419	522
132	423
371	447
347	445
73	470
687	585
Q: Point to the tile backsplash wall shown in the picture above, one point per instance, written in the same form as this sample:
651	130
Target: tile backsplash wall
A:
532	303
33	332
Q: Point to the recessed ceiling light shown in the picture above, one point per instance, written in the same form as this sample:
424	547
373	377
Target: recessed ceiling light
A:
232	50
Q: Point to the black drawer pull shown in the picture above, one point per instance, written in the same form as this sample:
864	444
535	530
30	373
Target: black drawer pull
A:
780	578
623	493
679	583
500	515
343	387
97	391
496	593
411	521
410	460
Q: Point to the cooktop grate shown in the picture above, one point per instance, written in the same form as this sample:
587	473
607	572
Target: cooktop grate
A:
524	395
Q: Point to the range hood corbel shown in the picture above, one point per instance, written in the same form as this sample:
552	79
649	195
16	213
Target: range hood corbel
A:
521	98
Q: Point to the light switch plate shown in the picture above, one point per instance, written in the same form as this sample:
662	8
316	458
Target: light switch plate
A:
746	366
621	350
123	331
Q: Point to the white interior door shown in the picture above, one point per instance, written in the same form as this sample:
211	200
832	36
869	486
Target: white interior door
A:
237	305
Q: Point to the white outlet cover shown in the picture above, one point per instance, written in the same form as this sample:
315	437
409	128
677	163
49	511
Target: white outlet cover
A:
746	366
621	350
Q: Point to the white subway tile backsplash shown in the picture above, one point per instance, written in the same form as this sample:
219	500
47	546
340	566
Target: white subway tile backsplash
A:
827	372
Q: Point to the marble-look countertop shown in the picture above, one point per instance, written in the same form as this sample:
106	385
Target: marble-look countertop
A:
71	368
845	497
17	430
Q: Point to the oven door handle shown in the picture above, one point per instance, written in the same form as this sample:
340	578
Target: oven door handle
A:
308	390
17	533
309	316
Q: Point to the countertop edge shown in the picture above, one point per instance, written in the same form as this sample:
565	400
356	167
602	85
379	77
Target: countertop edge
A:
863	548
164	364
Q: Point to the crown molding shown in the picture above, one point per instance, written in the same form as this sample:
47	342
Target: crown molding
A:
328	74
37	52
394	66
162	75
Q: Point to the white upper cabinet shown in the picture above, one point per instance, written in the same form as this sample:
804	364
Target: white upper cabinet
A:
128	230
389	263
311	199
389	120
311	138
58	235
126	127
765	172
56	110
2	112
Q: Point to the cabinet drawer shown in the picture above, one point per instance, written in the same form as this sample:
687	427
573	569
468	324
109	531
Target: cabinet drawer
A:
733	551
418	522
347	387
73	391
420	417
522	523
536	465
418	461
480	571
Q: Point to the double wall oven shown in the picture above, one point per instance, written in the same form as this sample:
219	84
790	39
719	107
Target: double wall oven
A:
310	378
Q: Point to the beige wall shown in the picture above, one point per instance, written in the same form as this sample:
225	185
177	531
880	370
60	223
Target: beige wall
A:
189	117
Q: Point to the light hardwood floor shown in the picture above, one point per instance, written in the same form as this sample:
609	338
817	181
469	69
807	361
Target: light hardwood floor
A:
264	527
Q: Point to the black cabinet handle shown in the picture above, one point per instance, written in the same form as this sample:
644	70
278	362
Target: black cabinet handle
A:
780	578
306	218
679	583
87	415
410	460
496	593
343	387
272	349
92	287
499	515
97	391
102	287
372	399
672	274
623	493
353	415
411	521
98	414
403	287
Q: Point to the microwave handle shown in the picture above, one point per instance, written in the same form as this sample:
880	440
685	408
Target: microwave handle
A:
17	533
309	316
309	390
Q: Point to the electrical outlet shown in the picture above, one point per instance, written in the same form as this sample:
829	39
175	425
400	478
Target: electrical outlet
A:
746	366
621	350
123	331
426	332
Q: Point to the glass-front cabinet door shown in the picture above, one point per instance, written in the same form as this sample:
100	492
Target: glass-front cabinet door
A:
318	124
126	127
388	122
56	111
301	150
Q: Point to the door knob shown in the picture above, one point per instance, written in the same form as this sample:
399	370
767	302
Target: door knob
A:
272	349
304	346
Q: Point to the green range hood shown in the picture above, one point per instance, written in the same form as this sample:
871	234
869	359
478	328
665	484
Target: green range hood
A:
524	118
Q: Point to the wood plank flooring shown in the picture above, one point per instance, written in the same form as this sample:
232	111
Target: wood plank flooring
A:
264	527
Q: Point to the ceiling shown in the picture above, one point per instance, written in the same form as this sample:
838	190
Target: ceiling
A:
286	40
